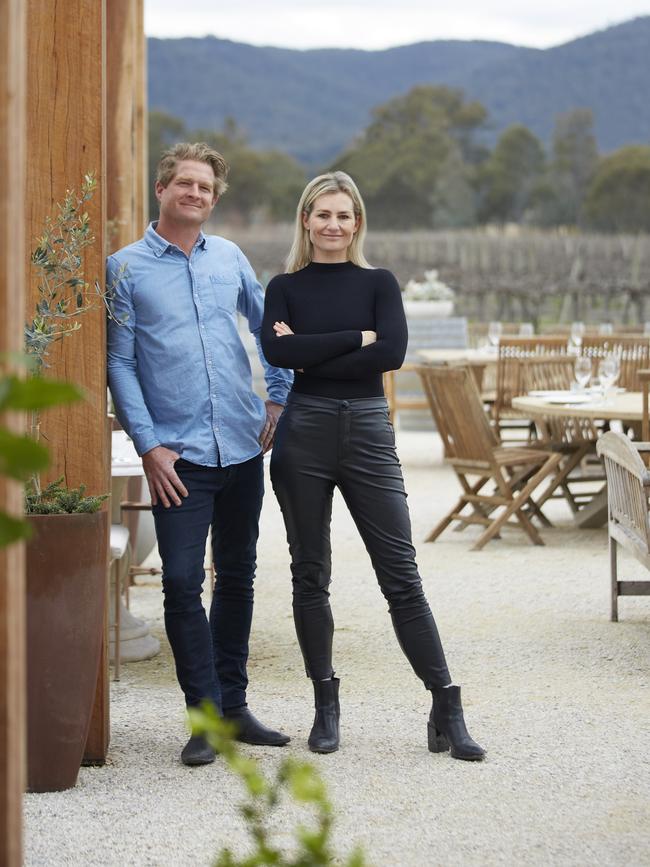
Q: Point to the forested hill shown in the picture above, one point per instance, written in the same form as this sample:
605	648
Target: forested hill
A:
312	103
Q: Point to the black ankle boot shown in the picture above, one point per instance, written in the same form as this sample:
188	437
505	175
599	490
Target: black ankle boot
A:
324	735
447	730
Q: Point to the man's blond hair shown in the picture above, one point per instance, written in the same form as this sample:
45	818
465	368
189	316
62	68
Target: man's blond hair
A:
200	152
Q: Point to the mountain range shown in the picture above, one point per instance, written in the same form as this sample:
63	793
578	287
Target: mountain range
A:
311	104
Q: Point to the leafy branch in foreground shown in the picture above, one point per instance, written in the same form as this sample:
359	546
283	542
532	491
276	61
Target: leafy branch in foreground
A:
302	783
20	456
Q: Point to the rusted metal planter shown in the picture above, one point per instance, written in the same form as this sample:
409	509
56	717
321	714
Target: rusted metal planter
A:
67	561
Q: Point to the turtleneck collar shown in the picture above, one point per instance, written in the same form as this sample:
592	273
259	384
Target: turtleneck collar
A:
331	266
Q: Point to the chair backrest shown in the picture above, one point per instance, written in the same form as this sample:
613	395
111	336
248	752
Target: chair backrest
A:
634	354
644	378
478	332
555	373
511	352
628	486
458	411
547	373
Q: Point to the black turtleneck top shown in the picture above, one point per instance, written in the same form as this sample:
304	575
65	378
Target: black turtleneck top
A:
327	306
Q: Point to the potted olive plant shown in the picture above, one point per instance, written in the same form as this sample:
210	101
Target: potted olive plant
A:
67	553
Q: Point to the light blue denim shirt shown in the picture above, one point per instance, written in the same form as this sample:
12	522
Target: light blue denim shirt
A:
177	369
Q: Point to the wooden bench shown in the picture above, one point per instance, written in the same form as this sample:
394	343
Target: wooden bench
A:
628	489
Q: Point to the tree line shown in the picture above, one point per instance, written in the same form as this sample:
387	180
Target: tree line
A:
422	163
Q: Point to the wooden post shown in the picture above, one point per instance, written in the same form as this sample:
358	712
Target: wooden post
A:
65	140
126	151
120	138
141	137
125	139
12	298
65	101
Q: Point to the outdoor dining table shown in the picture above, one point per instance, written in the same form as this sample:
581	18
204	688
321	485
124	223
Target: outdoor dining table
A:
477	359
626	407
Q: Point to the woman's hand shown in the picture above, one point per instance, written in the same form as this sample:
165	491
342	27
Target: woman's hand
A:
281	330
368	337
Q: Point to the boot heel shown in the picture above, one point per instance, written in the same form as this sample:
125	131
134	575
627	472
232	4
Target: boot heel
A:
438	743
447	729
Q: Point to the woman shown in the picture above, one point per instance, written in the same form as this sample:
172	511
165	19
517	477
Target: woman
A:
339	324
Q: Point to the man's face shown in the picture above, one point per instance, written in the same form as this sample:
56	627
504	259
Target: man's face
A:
188	199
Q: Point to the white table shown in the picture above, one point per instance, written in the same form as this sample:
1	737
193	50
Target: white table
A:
136	642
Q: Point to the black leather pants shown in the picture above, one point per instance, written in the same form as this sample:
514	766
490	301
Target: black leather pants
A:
321	443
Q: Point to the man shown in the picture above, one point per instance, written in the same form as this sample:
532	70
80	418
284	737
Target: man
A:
181	384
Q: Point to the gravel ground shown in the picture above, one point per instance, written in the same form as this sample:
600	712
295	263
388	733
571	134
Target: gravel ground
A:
558	694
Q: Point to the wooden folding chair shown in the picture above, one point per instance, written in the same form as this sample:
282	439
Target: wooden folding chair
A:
474	451
633	352
512	351
574	438
644	379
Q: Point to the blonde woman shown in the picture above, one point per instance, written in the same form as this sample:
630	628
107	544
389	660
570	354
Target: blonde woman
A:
339	324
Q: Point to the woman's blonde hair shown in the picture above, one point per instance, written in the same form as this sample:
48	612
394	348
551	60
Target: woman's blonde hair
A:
301	251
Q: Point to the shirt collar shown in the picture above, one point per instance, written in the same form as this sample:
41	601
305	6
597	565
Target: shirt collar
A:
159	245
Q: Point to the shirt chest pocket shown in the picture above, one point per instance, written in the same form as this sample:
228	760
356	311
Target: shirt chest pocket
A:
224	292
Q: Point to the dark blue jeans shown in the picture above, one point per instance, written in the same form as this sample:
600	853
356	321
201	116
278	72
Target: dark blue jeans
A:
211	655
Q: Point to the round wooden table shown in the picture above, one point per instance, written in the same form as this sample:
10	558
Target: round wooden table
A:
626	406
477	359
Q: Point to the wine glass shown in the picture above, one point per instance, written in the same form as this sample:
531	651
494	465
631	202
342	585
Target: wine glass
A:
526	329
609	369
494	333
577	333
582	371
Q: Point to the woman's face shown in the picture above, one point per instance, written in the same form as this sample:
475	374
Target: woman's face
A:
331	225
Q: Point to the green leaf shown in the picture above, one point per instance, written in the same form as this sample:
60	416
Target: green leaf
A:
12	529
306	785
37	393
20	456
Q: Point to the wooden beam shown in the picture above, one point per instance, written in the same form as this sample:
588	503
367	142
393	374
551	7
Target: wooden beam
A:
141	136
120	105
126	156
65	140
12	298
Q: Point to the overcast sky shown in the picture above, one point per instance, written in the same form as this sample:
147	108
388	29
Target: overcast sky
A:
382	23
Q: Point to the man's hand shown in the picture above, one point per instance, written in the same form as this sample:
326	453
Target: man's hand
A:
368	338
273	413
164	484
